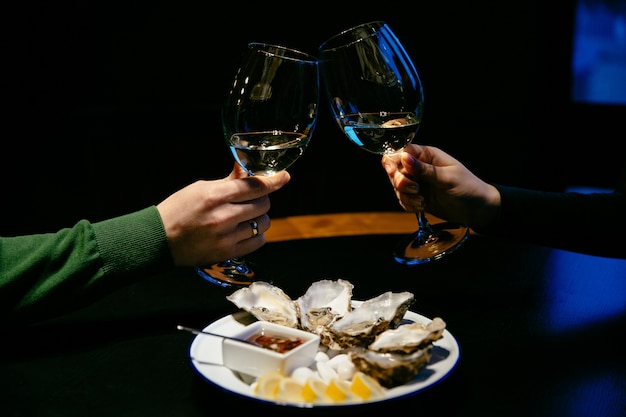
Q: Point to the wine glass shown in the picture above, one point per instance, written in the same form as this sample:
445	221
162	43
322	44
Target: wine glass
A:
376	97
268	118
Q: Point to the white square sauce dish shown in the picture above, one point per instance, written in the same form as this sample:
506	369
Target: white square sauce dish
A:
282	349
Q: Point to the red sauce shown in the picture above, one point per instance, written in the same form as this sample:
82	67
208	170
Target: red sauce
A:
280	344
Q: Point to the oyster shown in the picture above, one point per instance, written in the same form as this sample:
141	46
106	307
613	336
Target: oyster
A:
324	302
360	326
266	302
409	337
373	334
397	355
391	369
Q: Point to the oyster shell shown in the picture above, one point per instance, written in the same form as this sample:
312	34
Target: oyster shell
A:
372	334
391	369
409	337
397	355
266	302
324	302
360	326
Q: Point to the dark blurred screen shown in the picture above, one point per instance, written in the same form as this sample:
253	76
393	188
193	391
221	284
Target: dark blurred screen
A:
599	52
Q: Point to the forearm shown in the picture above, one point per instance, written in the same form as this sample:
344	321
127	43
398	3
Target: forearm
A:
570	221
46	274
133	243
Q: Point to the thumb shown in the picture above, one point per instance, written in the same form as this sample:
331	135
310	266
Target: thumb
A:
276	181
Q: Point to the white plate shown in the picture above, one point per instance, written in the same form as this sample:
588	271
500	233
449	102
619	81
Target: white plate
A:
206	357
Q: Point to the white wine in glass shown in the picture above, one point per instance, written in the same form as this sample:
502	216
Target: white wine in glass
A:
376	97
268	119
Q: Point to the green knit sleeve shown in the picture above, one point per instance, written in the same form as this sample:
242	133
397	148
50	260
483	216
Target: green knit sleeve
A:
133	243
45	274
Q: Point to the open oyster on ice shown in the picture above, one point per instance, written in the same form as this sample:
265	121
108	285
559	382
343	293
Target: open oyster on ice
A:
397	355
324	302
267	302
360	326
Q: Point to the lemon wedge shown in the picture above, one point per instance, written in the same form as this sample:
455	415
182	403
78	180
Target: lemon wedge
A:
339	391
366	387
289	390
314	391
278	387
267	385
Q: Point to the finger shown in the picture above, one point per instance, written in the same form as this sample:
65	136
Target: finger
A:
253	228
412	203
405	185
418	151
390	163
251	240
250	188
415	168
238	172
274	182
409	164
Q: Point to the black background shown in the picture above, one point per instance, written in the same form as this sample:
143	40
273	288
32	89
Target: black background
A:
110	106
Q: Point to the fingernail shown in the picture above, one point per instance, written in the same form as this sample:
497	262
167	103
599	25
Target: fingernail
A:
411	158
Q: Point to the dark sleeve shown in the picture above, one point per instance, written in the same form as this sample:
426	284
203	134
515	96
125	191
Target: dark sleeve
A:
43	275
594	224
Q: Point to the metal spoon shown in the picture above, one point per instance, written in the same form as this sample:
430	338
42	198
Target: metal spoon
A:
198	331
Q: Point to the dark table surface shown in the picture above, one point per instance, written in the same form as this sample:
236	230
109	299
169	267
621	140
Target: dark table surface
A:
541	333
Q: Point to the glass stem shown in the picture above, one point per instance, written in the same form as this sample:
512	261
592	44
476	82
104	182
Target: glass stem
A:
425	233
237	265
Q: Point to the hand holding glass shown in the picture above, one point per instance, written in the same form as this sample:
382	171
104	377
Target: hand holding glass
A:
376	97
268	118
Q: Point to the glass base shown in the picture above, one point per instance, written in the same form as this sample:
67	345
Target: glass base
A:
442	239
230	273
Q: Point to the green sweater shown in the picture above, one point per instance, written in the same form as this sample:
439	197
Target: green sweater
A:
43	275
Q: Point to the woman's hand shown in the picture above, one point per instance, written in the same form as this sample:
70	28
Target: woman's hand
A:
425	177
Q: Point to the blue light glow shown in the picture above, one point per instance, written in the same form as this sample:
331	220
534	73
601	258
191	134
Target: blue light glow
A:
583	289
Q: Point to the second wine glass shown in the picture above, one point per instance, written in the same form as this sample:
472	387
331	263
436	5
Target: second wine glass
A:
376	97
268	118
